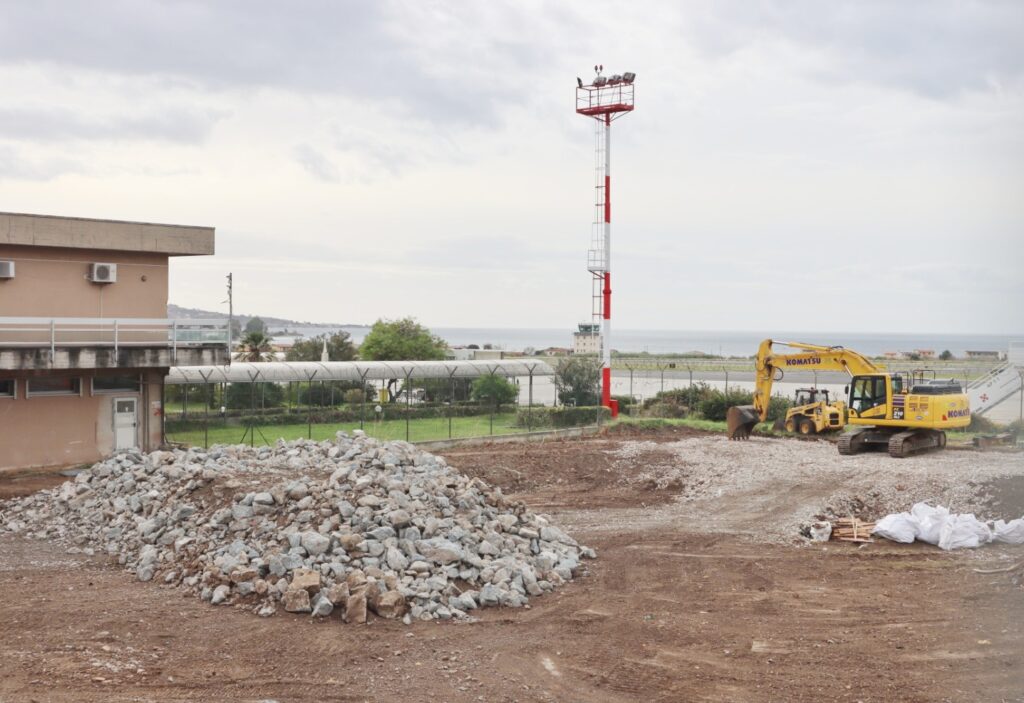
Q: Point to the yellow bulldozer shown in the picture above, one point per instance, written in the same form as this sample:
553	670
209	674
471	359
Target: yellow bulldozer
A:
903	413
813	413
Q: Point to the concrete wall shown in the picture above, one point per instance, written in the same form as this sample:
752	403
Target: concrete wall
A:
39	358
48	431
51	282
111	235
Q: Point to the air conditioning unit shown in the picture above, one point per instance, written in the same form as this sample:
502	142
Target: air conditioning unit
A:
103	273
6	269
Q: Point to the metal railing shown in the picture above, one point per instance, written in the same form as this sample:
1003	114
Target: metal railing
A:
116	332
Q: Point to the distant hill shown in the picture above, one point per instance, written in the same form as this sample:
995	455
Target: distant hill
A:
178	312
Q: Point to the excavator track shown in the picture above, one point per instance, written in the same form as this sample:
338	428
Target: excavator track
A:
903	444
850	443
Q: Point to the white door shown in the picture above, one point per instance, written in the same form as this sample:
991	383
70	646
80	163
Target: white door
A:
125	422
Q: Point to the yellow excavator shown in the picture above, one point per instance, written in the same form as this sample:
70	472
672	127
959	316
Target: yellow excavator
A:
901	412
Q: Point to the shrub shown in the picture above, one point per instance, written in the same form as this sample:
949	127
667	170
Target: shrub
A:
980	423
324	393
267	395
625	401
664	409
715	406
355	396
494	390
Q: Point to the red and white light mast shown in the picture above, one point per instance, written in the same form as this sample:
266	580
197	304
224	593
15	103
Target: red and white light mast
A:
606	99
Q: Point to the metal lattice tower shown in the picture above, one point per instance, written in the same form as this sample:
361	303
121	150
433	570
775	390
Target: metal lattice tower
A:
606	99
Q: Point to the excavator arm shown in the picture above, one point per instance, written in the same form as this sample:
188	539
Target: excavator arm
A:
770	367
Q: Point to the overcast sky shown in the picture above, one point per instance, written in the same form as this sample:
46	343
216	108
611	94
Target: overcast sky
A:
790	165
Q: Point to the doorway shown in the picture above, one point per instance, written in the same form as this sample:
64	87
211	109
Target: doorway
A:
126	421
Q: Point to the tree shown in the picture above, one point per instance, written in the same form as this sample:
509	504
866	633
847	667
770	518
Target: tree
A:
400	340
254	346
339	348
576	380
255	324
495	390
946	355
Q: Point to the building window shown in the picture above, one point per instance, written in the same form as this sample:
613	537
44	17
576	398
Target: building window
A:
8	389
55	385
115	384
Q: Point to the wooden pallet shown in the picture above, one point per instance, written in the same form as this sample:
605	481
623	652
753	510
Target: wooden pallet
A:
851	529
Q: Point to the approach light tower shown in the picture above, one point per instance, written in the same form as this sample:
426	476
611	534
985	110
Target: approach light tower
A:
606	99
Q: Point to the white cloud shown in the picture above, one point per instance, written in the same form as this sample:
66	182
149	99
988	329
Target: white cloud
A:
813	166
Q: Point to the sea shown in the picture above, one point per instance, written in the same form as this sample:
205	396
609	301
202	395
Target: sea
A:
717	343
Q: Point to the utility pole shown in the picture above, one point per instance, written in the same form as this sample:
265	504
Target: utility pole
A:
231	313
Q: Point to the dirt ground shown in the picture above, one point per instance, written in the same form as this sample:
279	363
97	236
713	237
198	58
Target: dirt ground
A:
687	601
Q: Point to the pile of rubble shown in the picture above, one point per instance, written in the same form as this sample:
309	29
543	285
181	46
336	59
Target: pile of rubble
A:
310	527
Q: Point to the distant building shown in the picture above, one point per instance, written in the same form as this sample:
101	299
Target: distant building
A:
467	354
459	354
984	355
925	353
84	340
555	351
587	338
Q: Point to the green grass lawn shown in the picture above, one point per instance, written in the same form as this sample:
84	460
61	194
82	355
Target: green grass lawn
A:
419	430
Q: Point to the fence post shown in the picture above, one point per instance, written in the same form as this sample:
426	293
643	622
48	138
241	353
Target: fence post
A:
309	404
362	406
408	401
529	406
451	400
206	420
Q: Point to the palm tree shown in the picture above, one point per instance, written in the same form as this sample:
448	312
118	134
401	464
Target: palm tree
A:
254	346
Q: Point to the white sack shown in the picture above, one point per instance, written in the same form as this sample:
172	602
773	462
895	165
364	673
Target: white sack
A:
1011	532
963	531
900	527
930	521
821	531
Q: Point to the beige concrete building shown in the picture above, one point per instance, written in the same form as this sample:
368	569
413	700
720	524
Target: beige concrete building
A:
85	341
587	339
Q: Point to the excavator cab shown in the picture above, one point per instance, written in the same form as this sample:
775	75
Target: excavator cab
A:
869	395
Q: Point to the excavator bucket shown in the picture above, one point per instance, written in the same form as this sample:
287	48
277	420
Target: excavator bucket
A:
740	420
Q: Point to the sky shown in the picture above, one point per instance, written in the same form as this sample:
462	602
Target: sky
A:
800	165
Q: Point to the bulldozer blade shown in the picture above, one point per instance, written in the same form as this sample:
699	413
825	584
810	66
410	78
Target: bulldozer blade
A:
740	420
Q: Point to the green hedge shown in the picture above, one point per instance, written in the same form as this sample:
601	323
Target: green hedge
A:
542	418
709	403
